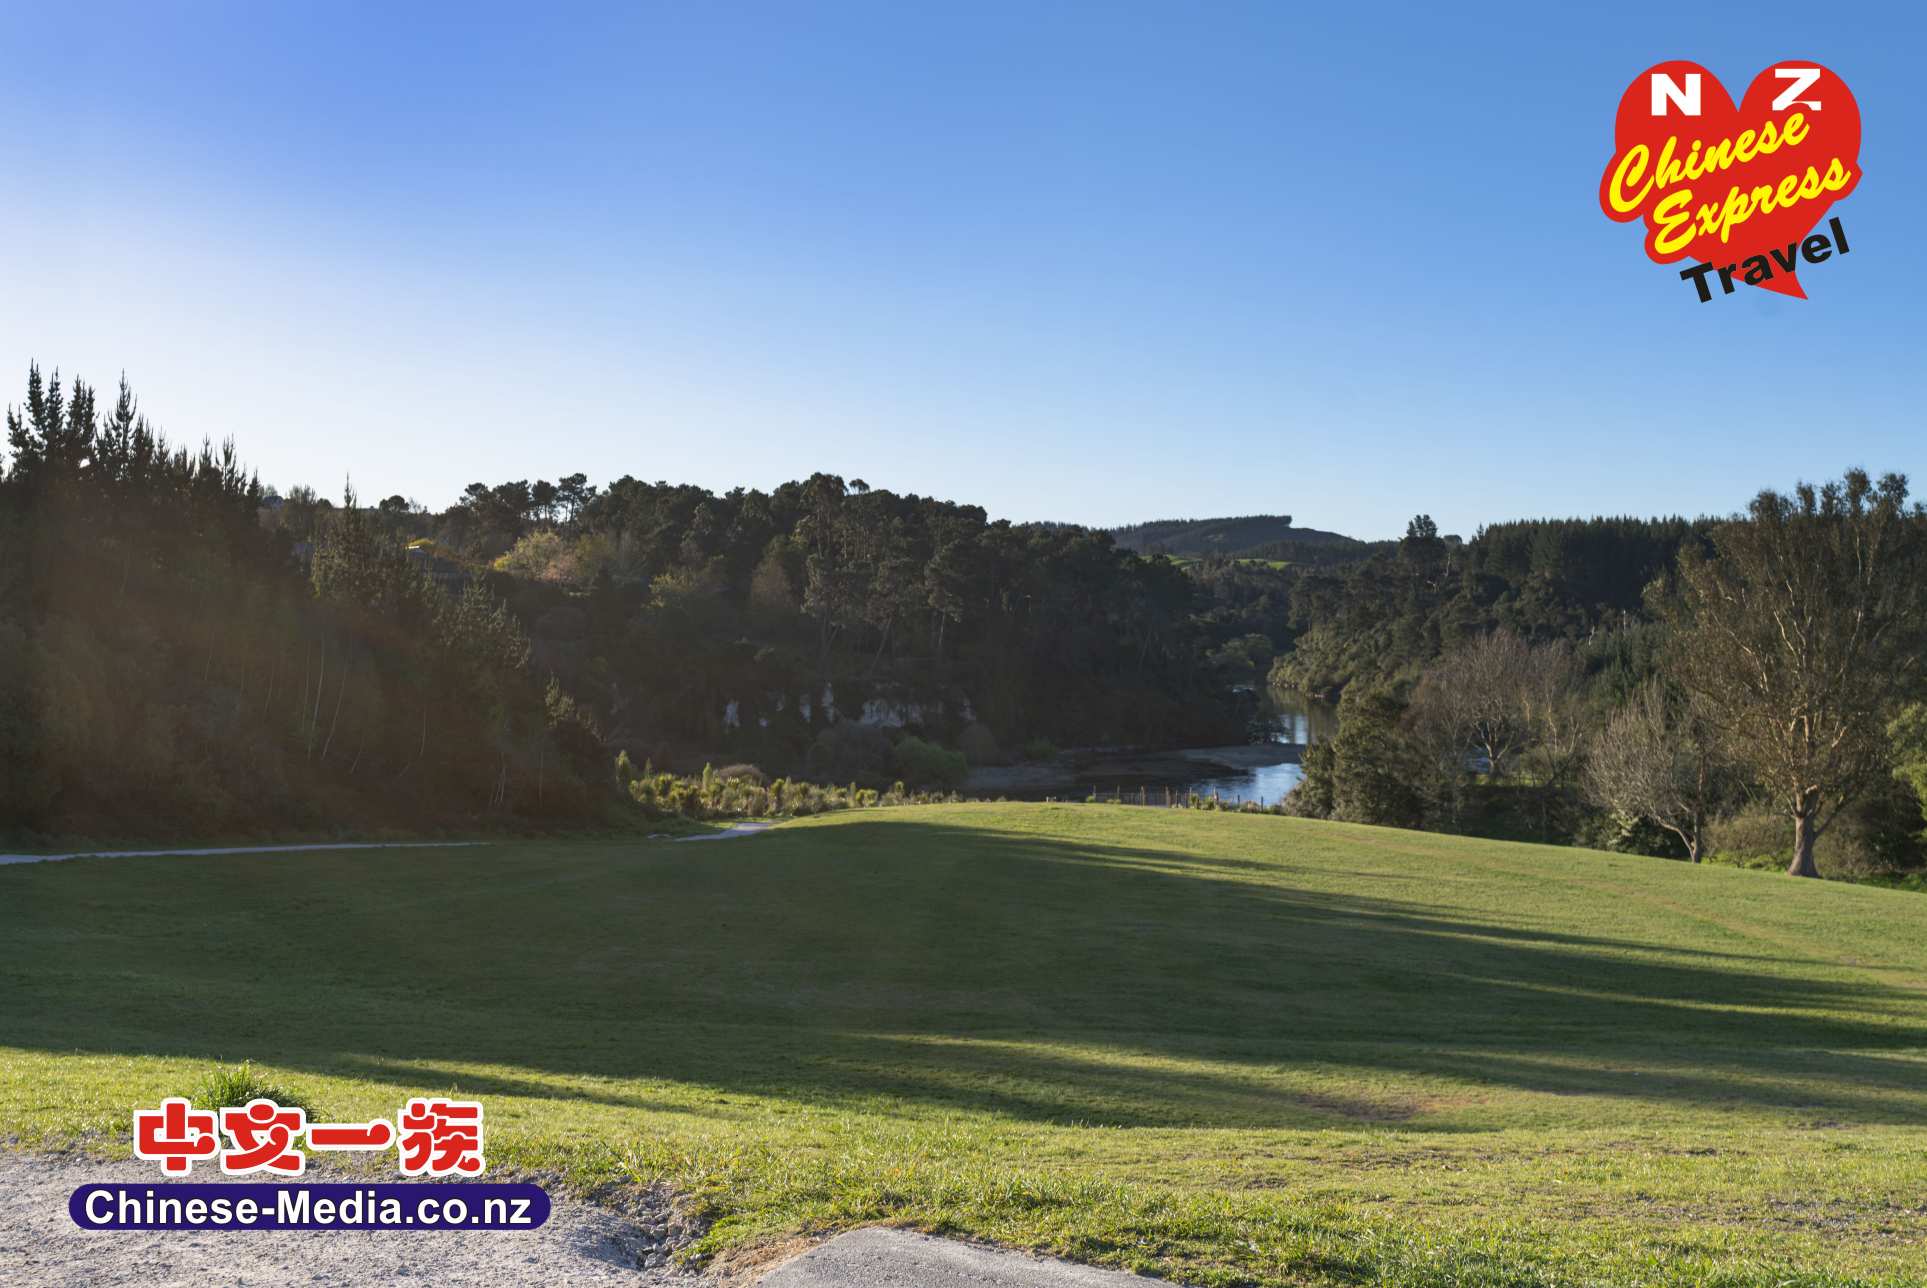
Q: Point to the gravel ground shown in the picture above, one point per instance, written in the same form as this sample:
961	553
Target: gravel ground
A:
903	1259
581	1245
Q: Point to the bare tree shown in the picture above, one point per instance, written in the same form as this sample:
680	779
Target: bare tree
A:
1654	761
1799	635
1501	697
1476	692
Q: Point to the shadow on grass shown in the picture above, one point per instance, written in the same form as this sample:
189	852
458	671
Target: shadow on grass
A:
898	962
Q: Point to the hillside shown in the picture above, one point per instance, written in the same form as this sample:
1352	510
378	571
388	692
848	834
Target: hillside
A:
1194	538
1226	1048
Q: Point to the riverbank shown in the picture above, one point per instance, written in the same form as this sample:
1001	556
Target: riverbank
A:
1096	768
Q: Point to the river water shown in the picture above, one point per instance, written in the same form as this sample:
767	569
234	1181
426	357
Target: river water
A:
1284	718
1265	769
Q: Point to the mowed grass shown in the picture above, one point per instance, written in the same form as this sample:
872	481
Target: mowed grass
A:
1224	1049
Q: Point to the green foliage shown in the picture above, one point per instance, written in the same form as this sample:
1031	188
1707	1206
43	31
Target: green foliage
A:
924	764
1373	770
1908	732
738	792
849	749
232	1087
1316	795
1385	618
172	664
979	745
1799	634
1233	537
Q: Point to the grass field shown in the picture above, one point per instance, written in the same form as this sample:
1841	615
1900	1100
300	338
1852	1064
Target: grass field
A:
1223	1048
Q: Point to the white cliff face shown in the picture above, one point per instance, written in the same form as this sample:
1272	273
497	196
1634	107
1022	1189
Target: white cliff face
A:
881	713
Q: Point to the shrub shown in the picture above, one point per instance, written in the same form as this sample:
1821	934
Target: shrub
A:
849	750
713	795
925	764
742	773
979	745
1040	749
232	1088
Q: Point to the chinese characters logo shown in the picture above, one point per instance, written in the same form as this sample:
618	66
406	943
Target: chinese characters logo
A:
431	1137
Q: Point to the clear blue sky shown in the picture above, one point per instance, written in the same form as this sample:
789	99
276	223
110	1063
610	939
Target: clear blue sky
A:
1098	263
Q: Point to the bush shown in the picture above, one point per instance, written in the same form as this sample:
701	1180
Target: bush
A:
1040	749
713	795
743	773
979	745
1313	796
233	1088
925	764
849	750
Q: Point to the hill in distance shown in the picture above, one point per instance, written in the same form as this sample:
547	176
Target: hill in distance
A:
1252	536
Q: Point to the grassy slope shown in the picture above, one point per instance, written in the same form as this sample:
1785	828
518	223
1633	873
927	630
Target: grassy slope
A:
1227	1048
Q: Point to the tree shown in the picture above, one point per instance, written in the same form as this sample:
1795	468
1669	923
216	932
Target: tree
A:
1655	761
573	492
1799	634
1373	769
1909	734
542	500
1480	691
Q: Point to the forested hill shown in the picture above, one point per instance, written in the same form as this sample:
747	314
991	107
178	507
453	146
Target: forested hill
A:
185	652
1254	535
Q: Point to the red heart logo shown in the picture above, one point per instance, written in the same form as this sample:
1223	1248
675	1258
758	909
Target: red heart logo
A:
1735	187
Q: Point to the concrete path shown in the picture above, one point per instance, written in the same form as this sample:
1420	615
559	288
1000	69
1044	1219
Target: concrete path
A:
901	1259
239	849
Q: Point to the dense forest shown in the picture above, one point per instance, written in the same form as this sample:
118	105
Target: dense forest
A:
184	651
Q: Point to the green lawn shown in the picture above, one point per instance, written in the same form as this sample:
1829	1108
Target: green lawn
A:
1224	1048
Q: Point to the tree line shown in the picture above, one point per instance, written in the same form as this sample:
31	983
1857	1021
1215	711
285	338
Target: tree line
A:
183	649
1640	685
168	666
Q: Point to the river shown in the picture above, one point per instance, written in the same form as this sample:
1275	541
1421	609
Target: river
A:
1289	721
1263	770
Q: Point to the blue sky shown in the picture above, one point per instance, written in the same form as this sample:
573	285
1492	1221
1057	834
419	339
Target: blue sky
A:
1099	263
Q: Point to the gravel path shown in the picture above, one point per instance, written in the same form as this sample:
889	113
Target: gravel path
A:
581	1245
240	849
902	1259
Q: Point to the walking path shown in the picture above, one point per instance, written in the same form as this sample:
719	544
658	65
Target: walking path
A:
728	833
731	832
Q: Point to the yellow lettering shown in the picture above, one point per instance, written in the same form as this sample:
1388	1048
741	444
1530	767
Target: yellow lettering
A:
1673	223
1632	167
